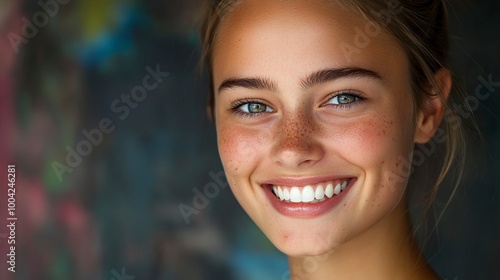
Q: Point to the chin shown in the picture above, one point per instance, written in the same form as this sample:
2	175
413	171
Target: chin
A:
306	248
309	243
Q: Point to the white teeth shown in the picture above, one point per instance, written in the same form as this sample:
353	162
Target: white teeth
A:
286	194
319	193
280	193
295	194
307	194
337	189
329	190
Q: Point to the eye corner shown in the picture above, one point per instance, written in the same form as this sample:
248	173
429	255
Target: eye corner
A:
260	107
350	98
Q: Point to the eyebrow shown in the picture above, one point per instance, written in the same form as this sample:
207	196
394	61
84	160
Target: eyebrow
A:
249	83
330	75
316	78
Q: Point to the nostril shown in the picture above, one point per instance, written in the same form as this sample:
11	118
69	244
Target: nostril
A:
298	155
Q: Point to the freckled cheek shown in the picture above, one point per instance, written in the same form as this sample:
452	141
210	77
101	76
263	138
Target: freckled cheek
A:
239	148
371	142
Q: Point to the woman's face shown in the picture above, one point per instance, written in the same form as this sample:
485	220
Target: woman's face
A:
313	105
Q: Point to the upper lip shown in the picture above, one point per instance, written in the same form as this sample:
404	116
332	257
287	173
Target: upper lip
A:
302	181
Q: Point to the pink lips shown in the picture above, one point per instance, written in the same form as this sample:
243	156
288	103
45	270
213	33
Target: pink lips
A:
305	209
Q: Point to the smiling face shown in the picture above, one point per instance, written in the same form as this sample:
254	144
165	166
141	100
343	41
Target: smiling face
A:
311	140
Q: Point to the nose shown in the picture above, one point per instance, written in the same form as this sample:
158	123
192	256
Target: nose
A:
296	142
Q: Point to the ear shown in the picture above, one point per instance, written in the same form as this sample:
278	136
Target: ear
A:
431	113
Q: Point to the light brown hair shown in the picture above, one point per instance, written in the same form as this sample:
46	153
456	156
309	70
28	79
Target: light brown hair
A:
420	27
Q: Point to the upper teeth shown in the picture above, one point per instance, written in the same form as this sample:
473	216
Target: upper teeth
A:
310	193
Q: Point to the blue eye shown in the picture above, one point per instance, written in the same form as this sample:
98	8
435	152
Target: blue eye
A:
251	107
254	108
343	99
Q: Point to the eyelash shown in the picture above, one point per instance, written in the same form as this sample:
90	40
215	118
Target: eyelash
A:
235	106
359	99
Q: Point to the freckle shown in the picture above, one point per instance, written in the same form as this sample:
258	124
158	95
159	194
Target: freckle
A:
345	204
382	186
383	161
397	164
378	205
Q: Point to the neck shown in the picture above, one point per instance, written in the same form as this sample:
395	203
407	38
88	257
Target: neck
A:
386	251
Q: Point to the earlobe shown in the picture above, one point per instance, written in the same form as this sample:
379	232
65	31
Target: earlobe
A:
433	107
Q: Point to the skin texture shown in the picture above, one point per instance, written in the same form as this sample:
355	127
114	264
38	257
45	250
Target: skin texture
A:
303	134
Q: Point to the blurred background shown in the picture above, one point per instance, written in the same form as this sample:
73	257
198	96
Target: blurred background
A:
115	187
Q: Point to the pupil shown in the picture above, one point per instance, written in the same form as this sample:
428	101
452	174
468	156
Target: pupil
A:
256	108
343	99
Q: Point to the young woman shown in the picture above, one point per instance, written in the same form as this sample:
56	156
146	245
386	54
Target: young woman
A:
318	106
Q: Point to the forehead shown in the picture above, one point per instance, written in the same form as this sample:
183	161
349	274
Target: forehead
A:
295	37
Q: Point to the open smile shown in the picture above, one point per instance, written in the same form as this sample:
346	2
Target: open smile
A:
302	199
310	193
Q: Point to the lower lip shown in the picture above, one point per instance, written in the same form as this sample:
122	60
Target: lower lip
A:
305	209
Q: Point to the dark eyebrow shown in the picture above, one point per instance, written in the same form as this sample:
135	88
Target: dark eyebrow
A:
250	83
329	75
316	78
